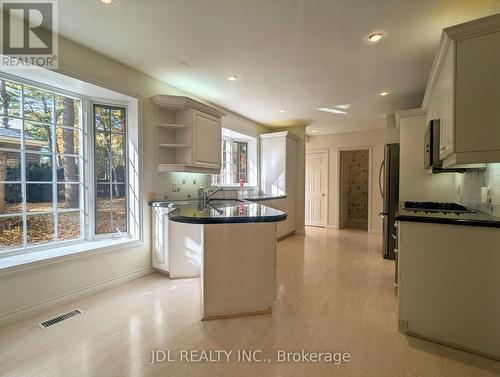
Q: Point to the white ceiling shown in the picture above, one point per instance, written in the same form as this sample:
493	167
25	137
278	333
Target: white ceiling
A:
296	55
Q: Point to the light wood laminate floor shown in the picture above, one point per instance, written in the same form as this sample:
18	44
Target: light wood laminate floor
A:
335	293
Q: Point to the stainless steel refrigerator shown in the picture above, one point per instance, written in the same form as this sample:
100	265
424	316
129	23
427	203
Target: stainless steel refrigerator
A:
389	189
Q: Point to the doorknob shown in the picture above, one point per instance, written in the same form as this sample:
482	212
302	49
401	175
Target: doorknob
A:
323	194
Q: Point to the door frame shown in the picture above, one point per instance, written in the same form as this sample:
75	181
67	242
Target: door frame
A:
370	178
326	151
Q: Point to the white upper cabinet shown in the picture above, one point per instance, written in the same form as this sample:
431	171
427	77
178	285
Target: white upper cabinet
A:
464	93
188	135
278	164
207	140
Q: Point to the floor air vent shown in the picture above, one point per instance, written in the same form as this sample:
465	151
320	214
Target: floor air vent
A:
59	318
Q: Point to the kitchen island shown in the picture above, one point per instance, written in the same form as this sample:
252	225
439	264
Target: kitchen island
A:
229	244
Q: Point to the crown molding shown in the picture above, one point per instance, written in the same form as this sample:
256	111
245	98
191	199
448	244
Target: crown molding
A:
182	102
410	113
287	134
474	28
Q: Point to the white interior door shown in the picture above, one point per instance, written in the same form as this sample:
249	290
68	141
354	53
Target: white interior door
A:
316	188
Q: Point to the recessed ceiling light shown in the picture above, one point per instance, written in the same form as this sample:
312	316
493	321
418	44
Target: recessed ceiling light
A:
282	111
330	110
375	37
343	107
108	1
383	94
232	77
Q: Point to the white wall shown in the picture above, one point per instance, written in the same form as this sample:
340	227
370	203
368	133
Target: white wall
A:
415	184
375	139
27	291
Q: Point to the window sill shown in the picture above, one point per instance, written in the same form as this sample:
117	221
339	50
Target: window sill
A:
14	262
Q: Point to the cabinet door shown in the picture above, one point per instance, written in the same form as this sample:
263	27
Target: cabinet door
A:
206	140
286	226
478	94
160	239
446	104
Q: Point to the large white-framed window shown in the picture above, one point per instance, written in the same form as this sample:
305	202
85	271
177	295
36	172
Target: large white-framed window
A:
40	166
239	160
64	167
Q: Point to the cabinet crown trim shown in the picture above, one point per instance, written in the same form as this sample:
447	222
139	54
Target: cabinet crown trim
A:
475	28
182	103
279	134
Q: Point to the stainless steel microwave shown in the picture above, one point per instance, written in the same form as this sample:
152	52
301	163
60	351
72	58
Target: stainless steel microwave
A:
431	150
431	146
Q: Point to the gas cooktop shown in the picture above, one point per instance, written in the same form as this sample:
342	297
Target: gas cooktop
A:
436	207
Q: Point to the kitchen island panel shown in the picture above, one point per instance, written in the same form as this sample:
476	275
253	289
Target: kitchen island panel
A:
238	273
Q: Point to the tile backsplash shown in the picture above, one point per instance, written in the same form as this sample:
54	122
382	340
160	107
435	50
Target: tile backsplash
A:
468	189
181	186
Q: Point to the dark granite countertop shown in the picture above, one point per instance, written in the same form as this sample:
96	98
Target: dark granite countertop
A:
262	197
471	219
219	211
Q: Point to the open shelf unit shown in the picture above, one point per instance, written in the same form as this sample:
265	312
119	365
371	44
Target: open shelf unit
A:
187	135
173	135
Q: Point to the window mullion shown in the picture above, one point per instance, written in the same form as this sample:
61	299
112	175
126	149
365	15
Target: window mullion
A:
54	170
83	155
110	167
230	161
24	193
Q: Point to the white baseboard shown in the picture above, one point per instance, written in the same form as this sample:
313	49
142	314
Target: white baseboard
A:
332	227
63	298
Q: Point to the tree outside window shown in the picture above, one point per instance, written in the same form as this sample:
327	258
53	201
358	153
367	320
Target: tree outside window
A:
110	172
40	161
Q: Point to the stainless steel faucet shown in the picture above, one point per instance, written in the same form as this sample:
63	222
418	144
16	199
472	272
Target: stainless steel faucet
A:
204	195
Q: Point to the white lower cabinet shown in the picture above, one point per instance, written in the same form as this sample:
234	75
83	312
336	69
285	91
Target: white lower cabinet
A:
179	256
286	227
448	285
160	257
